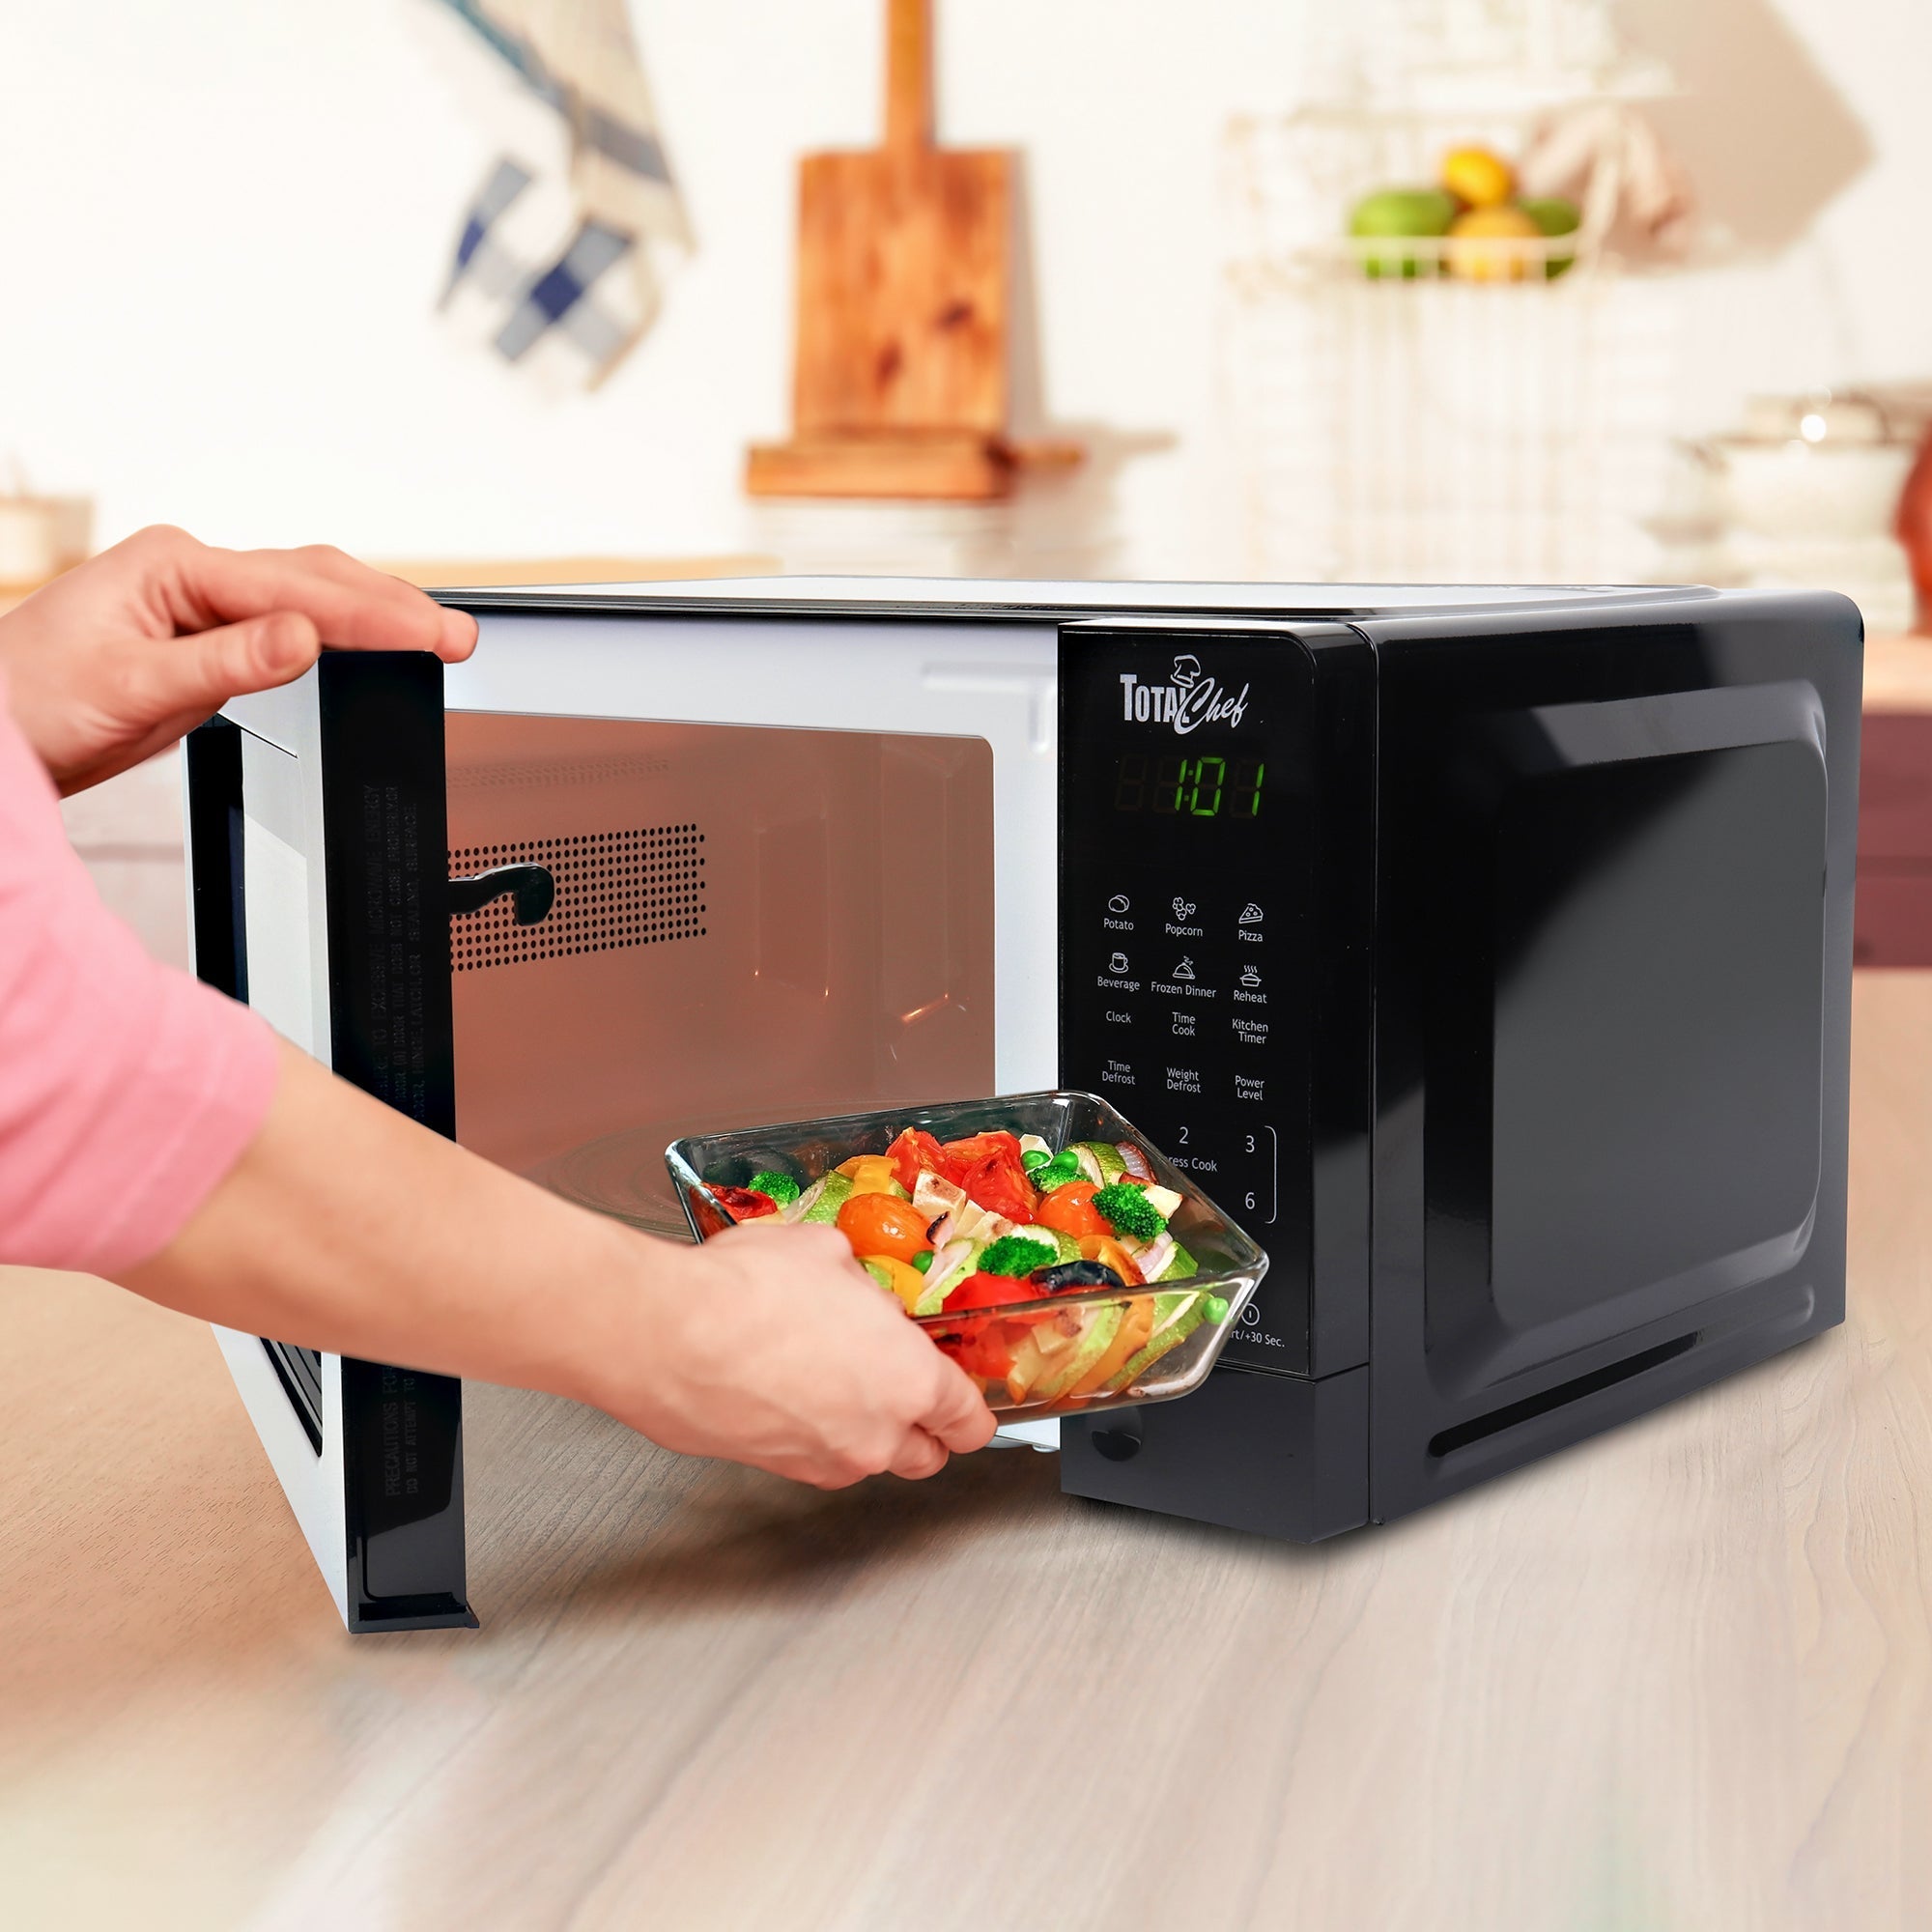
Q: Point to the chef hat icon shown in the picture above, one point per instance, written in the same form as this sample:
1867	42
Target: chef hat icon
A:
1187	669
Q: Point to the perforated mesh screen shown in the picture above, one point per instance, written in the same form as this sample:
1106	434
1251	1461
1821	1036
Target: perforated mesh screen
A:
644	887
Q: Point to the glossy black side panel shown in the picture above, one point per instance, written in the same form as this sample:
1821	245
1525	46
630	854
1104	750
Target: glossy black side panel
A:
1340	1059
1277	1455
1613	966
384	828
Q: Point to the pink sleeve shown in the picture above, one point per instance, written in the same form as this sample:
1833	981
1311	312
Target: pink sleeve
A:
128	1090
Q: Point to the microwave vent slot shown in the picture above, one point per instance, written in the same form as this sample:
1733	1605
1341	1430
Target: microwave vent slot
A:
615	890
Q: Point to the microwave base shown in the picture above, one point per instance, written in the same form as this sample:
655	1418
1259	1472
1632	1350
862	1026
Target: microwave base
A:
1278	1455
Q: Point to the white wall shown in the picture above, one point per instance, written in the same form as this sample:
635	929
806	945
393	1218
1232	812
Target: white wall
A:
222	226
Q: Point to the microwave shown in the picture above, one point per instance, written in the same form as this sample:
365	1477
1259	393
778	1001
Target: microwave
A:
1486	953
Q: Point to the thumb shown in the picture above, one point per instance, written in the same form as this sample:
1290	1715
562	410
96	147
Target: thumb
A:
956	1415
203	671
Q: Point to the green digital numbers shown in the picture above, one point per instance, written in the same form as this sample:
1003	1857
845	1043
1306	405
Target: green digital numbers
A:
1183	788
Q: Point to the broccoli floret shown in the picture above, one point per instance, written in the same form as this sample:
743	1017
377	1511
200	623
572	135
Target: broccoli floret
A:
781	1187
1064	1167
1129	1211
1014	1254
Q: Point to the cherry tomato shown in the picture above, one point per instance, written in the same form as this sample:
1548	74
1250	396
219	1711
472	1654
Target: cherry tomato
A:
914	1153
1070	1209
744	1203
1106	1250
882	1224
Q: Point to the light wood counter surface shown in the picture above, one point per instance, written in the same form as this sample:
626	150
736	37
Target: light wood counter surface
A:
1678	1677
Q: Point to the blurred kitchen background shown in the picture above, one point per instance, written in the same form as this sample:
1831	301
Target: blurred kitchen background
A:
241	297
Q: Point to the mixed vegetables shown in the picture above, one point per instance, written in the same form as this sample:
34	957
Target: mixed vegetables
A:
981	1228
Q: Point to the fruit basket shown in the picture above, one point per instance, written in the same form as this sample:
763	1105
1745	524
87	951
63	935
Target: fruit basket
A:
1298	186
1073	1349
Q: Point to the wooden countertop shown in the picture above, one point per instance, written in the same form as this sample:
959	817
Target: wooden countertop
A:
1680	1676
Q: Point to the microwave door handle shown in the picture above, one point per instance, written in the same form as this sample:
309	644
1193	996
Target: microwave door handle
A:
532	886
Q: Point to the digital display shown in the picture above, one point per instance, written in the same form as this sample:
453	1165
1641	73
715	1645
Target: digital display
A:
1178	787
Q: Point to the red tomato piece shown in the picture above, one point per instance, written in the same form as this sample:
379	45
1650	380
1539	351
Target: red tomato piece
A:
1070	1209
710	1217
977	1147
989	1290
914	1153
744	1203
981	1349
999	1184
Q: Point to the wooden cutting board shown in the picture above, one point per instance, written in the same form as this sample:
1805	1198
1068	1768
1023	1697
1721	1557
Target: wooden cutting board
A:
904	264
904	290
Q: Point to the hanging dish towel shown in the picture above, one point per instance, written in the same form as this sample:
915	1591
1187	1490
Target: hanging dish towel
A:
556	264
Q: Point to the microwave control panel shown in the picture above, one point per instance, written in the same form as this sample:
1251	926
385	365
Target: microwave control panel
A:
1184	915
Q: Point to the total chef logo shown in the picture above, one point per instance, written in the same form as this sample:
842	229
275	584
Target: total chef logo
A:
1190	700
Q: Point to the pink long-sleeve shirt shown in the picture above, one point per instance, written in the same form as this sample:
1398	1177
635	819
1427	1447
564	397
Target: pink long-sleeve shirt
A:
128	1090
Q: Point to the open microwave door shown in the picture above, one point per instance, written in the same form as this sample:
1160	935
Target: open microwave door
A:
626	873
317	847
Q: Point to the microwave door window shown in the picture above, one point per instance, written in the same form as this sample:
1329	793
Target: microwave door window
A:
744	925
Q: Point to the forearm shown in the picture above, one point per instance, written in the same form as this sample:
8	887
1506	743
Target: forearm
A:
347	1228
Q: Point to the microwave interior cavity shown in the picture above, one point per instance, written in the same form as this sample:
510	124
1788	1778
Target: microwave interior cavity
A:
661	927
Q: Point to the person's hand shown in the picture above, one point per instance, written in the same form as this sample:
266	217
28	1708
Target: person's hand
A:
775	1348
116	660
347	1228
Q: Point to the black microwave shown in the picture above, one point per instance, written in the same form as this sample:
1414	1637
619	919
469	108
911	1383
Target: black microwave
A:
1485	953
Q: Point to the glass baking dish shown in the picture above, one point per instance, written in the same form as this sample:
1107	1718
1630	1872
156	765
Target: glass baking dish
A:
1077	1352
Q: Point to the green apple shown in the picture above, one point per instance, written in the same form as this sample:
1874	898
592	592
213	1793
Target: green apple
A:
1554	215
1396	213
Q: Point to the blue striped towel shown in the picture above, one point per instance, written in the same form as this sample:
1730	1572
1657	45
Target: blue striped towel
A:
555	264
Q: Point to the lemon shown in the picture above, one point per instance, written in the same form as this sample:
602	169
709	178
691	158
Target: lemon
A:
1476	264
1478	176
